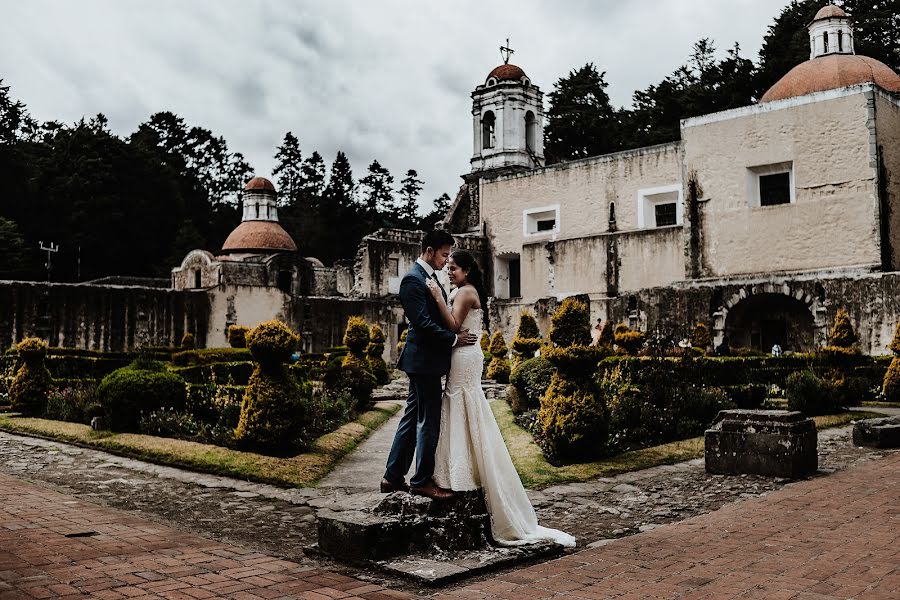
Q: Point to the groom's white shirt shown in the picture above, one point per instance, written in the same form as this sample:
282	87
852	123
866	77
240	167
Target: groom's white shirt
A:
430	271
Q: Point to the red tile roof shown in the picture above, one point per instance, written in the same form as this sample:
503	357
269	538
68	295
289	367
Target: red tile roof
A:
832	72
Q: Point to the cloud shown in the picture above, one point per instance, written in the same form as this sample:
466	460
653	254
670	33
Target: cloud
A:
385	80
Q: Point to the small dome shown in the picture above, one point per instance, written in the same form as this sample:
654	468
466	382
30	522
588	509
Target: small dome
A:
255	236
832	72
828	12
507	73
259	183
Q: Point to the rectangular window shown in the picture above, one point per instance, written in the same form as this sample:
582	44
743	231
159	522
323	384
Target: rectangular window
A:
665	214
393	267
774	189
770	185
540	220
515	278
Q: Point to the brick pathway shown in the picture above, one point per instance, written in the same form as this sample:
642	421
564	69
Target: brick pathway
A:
44	553
831	537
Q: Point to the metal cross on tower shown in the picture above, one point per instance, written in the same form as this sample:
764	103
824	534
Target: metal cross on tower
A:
506	52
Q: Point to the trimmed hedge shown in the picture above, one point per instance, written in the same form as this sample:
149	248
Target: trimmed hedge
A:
126	393
531	379
208	356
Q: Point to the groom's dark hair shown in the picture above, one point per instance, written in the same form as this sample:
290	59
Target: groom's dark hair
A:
435	239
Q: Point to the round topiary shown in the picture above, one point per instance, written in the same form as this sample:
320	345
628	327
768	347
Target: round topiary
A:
891	388
126	393
630	342
531	379
356	336
237	336
187	341
271	343
842	334
31	386
573	420
570	325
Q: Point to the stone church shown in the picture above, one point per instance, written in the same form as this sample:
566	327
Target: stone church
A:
760	221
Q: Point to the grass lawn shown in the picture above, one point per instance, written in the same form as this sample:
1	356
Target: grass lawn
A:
303	470
536	472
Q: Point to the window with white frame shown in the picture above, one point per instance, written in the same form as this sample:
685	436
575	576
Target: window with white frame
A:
539	221
770	185
659	207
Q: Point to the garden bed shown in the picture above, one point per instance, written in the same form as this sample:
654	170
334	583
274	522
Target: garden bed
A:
302	470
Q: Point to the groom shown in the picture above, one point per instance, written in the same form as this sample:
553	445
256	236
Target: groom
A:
425	358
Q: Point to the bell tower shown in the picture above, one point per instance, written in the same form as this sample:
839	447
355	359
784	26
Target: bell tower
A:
507	120
830	33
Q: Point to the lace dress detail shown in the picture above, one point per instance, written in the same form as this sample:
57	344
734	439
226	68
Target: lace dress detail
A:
471	453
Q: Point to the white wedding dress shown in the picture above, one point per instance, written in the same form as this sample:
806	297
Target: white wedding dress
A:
471	453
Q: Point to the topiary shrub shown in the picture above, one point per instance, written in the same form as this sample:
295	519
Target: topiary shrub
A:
894	346
810	394
352	381
891	386
499	368
629	342
126	393
31	385
607	338
274	410
527	340
374	352
842	334
237	336
570	325
485	342
573	421
187	341
530	380
402	341
700	337
356	338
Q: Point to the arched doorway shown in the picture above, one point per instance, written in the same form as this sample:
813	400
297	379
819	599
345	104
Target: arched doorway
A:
761	321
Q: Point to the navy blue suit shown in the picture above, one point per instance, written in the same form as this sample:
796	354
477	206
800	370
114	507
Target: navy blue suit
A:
425	358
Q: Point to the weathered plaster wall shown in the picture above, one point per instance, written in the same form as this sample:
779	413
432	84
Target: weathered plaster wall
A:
243	305
183	276
583	189
99	317
834	219
887	124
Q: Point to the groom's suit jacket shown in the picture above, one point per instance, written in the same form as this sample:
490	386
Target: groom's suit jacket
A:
428	342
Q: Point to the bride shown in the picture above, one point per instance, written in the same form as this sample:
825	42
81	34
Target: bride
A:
471	453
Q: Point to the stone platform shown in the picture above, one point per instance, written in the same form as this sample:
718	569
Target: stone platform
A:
877	433
431	542
776	443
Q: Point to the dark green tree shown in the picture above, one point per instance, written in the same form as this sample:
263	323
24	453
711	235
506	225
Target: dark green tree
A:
312	177
287	171
580	121
410	188
441	206
876	29
340	189
16	258
786	44
377	194
15	122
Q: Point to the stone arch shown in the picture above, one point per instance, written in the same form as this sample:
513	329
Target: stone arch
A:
803	313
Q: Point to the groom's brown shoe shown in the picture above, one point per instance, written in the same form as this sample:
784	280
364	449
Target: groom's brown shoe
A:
387	487
430	490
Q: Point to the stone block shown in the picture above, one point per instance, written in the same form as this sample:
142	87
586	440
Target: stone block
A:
355	535
776	443
877	433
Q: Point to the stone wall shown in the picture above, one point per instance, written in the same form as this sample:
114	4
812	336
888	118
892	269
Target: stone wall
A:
833	220
583	189
887	111
100	317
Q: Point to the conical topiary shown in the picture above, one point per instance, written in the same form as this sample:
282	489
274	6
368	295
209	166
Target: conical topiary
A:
700	337
485	341
374	352
570	325
894	346
356	338
607	338
499	368
842	334
527	340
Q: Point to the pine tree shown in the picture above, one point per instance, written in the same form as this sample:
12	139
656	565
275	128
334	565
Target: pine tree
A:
13	250
340	189
312	176
377	193
288	169
441	206
410	188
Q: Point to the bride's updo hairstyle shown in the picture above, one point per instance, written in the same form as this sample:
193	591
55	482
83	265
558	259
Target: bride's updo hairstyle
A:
465	261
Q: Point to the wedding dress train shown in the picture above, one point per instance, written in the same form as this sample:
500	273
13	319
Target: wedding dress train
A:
471	453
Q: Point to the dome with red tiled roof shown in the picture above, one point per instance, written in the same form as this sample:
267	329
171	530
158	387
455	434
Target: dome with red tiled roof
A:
259	183
828	12
259	236
832	72
507	72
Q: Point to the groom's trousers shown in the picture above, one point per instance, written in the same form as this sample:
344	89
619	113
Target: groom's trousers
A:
418	432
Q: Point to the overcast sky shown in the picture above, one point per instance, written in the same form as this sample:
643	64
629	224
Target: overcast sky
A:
378	79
